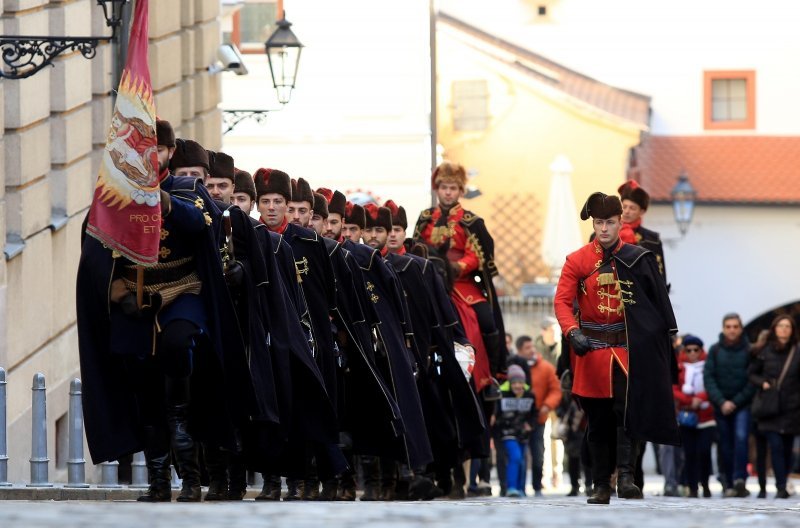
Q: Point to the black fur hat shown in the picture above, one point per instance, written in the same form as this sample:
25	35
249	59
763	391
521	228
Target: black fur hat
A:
273	181
602	206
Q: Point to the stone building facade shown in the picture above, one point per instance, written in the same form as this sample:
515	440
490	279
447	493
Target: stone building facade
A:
53	129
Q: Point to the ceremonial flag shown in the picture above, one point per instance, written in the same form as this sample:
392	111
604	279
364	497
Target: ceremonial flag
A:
126	209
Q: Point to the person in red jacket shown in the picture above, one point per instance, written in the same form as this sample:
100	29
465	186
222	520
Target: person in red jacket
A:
695	415
620	348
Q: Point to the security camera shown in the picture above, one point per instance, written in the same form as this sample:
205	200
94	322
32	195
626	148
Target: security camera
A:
231	59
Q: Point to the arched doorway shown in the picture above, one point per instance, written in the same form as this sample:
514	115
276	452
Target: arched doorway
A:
762	322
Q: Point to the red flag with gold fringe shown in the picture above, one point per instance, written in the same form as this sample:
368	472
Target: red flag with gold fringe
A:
126	209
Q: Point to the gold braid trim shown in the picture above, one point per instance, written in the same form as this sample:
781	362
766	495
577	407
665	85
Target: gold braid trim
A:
169	291
474	243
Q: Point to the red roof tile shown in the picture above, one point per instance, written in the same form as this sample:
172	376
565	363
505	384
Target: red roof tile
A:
723	169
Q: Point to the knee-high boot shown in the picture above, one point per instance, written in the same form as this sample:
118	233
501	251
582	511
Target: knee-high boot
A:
183	445
217	465
237	477
156	454
627	453
494	350
601	472
372	478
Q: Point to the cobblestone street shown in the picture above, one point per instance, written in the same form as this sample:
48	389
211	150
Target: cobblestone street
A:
551	510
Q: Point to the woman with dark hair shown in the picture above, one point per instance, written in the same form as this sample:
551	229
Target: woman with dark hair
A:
776	367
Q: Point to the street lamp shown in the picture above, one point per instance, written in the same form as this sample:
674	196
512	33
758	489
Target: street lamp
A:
683	199
283	51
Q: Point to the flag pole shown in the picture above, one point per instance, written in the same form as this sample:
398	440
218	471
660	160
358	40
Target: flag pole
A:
139	286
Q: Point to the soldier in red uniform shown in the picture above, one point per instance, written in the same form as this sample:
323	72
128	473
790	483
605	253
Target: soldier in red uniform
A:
635	202
621	356
461	236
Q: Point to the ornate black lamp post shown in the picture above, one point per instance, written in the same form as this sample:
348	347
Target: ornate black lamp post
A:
283	53
683	201
25	55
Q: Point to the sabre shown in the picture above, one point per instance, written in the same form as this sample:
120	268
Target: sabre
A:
226	219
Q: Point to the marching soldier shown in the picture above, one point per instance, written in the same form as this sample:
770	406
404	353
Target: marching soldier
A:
142	365
622	359
635	202
436	328
461	237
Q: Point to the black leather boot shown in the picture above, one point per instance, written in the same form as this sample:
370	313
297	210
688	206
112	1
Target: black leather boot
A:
156	454
600	495
421	488
183	445
311	489
237	477
329	490
372	478
388	479
295	489
217	465
271	491
626	462
347	488
601	472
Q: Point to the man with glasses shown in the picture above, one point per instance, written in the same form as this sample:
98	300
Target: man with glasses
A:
730	392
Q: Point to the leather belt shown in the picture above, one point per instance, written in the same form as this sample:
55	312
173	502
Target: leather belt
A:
161	275
610	338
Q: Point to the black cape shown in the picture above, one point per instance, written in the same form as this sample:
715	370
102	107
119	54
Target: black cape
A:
309	415
221	381
396	359
367	409
650	321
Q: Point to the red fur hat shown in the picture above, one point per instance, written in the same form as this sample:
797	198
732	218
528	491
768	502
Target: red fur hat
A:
398	214
354	214
378	216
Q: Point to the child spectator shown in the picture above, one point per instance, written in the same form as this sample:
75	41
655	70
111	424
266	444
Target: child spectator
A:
514	418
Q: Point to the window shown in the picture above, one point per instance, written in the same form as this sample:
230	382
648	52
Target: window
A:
250	25
729	100
470	105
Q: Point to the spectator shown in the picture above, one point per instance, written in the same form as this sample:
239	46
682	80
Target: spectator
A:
509	343
730	392
514	418
547	343
696	416
776	367
547	389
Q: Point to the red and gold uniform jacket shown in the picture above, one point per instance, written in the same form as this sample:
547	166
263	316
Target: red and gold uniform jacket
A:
601	301
463	248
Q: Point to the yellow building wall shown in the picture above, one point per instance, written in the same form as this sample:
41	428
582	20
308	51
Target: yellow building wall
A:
527	129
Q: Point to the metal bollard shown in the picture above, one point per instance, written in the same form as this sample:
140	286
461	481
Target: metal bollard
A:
109	475
39	460
139	471
3	442
76	465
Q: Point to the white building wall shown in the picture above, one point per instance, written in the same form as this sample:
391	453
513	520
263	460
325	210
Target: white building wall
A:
360	115
661	48
733	259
